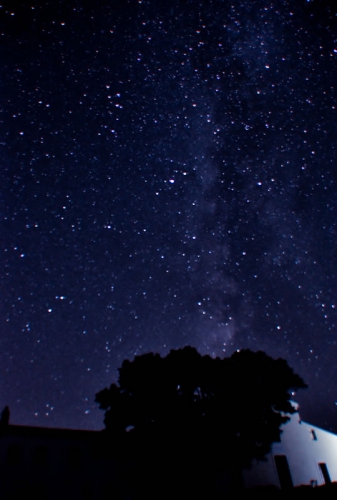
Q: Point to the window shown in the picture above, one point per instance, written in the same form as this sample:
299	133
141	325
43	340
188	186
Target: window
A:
283	472
325	473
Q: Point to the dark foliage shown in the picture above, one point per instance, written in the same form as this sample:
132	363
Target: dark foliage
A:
196	421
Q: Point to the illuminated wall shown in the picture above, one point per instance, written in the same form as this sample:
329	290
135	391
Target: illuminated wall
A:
306	455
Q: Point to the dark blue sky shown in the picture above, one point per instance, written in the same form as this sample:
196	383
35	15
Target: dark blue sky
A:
168	177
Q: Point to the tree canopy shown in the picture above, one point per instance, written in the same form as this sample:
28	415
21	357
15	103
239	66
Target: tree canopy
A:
196	409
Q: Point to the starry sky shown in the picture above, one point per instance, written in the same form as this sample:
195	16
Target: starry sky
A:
168	178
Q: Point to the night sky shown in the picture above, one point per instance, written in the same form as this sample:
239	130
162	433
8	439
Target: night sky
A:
168	178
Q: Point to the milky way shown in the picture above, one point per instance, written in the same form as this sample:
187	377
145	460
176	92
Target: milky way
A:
168	178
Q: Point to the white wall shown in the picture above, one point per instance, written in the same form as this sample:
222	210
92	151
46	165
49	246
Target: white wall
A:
303	453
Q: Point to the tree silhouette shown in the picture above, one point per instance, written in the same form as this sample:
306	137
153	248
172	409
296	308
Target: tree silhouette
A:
189	422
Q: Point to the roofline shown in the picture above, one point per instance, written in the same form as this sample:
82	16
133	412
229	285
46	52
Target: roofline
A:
33	430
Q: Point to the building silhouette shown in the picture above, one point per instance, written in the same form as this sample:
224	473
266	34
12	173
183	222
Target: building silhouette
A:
47	463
